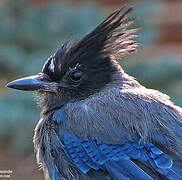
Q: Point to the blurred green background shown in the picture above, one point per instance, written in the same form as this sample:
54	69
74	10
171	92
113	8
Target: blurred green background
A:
31	30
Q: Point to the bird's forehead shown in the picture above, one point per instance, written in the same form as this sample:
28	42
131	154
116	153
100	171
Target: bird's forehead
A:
52	65
57	63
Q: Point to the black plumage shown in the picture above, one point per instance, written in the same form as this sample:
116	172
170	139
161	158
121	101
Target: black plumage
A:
97	121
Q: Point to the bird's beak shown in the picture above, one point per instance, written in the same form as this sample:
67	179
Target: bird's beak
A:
29	83
33	83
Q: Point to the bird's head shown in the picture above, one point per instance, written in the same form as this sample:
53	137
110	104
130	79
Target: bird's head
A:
85	67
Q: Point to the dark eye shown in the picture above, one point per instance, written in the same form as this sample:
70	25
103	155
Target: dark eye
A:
75	76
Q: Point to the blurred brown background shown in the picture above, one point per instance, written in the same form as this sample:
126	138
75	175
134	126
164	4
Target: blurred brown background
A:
31	30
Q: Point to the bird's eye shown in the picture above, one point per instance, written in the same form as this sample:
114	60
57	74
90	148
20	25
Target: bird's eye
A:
75	76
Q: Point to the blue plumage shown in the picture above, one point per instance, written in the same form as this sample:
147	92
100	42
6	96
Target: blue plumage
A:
118	159
93	154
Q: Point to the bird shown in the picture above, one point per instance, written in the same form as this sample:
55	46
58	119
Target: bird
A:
97	122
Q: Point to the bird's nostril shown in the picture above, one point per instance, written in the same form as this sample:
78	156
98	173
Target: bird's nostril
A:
44	77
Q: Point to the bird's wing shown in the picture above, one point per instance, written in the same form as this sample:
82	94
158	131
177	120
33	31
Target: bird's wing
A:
119	159
126	160
132	117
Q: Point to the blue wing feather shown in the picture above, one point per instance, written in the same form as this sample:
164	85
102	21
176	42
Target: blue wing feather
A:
97	155
117	159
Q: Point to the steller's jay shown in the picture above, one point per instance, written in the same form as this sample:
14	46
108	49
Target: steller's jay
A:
97	122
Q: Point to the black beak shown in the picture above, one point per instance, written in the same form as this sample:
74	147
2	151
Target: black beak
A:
30	83
36	82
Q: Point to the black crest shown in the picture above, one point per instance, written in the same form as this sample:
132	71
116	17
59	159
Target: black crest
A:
109	39
93	56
